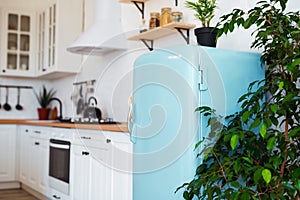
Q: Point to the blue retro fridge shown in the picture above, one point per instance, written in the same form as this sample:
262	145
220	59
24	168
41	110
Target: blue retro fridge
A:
168	85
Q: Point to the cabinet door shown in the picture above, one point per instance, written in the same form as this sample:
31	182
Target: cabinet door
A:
43	166
7	153
34	159
99	183
81	172
121	170
56	31
34	162
18	43
24	155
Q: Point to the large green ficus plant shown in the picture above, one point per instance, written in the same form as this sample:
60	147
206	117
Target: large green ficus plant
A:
257	150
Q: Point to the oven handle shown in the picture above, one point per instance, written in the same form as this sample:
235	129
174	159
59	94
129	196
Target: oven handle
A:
60	146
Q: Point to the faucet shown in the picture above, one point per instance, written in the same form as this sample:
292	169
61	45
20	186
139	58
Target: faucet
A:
60	106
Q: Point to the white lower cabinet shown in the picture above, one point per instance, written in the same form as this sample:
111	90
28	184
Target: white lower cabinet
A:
91	179
81	171
34	158
7	153
100	162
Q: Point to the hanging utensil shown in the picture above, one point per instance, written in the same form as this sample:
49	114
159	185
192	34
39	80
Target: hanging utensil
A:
80	102
6	106
18	106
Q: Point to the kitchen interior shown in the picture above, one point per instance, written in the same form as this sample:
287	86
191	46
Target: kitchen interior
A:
95	148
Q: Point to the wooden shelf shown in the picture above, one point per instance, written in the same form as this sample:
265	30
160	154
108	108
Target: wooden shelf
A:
163	31
130	1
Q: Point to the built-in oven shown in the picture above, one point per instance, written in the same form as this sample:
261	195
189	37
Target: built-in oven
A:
59	165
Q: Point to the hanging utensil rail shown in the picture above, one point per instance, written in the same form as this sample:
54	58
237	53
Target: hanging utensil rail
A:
16	86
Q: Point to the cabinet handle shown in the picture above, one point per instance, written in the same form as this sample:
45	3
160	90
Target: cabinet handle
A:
3	70
37	143
86	138
85	153
43	70
108	140
26	130
56	197
37	132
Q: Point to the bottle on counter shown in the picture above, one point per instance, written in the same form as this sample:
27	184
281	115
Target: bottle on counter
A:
143	27
165	17
154	20
176	16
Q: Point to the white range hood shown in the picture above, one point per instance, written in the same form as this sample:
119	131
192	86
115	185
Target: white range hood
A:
105	34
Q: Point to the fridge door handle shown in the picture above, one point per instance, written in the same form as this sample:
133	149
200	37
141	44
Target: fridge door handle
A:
202	81
132	137
130	121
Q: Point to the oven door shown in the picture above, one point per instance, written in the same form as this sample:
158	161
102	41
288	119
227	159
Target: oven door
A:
59	165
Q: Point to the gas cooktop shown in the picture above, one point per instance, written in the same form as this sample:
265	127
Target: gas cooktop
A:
88	121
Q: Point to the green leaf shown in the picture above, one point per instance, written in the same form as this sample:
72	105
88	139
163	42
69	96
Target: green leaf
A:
274	108
248	160
236	196
257	175
271	143
297	185
245	116
236	184
296	174
236	166
256	123
267	175
280	86
294	132
263	131
234	141
245	195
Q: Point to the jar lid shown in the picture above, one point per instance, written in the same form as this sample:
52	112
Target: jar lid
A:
166	9
176	13
155	13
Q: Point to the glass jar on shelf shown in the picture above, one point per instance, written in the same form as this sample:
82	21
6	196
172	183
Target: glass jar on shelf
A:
165	17
176	16
154	20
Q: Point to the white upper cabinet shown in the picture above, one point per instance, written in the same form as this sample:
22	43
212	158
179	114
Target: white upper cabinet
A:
34	39
17	43
58	26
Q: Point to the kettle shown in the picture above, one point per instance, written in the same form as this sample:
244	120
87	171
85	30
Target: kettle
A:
92	111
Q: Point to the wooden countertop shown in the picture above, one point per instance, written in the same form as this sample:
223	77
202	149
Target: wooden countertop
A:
52	123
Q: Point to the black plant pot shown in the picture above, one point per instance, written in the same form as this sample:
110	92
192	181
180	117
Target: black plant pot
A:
206	36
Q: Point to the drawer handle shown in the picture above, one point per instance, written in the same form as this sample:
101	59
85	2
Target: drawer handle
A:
26	130
37	132
108	140
86	138
56	197
37	143
85	153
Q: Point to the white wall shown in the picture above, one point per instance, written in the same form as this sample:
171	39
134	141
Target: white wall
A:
113	72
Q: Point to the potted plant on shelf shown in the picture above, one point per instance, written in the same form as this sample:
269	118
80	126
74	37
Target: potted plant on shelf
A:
206	35
44	98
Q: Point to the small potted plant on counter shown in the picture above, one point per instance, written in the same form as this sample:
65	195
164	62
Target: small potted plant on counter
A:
44	98
206	35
